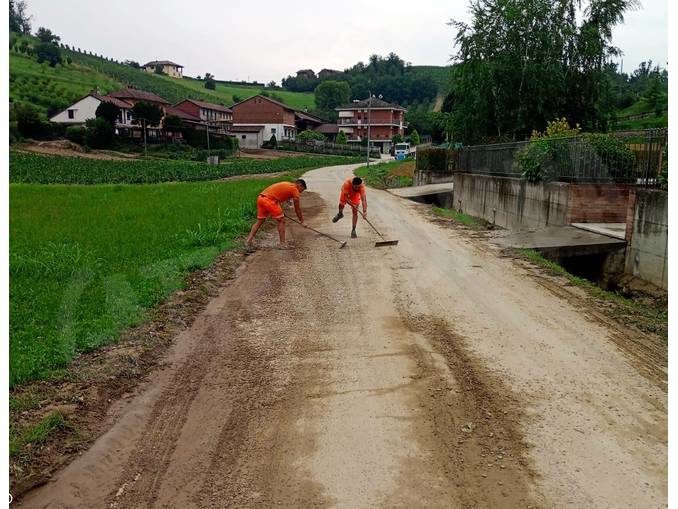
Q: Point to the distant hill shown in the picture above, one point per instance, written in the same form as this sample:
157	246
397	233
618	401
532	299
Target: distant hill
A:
439	74
53	88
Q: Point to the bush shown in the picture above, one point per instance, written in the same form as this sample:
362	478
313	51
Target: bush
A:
309	135
99	133
414	138
47	52
76	134
30	123
272	143
601	156
434	160
341	138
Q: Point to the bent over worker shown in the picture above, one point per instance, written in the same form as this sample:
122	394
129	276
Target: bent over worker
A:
353	192
269	204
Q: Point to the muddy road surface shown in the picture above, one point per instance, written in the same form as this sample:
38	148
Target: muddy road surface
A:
431	374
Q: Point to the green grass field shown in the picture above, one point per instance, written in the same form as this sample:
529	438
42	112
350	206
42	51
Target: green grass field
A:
42	169
87	261
387	175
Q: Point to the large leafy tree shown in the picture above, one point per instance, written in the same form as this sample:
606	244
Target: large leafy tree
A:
330	94
524	62
46	35
108	111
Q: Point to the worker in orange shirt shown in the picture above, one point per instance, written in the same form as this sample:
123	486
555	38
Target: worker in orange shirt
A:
269	203
353	192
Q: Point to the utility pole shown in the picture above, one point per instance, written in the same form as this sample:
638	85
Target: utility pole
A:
207	130
369	105
144	123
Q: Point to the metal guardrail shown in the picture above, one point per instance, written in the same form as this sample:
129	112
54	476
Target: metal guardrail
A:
575	159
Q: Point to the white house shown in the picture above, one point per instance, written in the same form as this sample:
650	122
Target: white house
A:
249	136
84	109
169	68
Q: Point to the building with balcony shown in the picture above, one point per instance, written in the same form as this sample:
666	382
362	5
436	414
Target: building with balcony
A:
169	68
384	120
216	116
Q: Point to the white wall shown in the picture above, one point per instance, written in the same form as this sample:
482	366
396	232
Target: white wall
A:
279	131
249	140
84	109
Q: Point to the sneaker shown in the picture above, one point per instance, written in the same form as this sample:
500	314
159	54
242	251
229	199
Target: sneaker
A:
337	217
354	235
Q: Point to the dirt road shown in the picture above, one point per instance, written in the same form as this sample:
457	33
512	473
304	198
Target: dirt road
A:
432	374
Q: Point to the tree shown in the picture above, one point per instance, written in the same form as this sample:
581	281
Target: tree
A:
397	138
271	84
330	94
48	52
145	114
108	111
29	121
19	21
520	64
46	35
132	63
341	138
158	69
652	95
209	81
99	133
414	138
172	123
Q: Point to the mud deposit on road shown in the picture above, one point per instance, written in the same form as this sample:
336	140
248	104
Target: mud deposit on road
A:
476	421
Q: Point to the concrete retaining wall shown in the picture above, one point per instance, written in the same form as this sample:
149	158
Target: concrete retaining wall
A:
516	204
510	202
647	251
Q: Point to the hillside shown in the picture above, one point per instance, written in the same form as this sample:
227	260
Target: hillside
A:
439	74
53	89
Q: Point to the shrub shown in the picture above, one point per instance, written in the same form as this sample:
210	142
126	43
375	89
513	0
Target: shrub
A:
414	138
99	133
108	111
341	138
47	52
76	134
612	155
309	135
435	160
272	143
30	123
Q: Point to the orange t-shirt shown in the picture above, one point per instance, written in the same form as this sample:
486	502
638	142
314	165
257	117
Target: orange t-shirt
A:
347	190
282	191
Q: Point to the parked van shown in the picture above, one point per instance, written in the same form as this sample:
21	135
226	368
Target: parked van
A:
402	150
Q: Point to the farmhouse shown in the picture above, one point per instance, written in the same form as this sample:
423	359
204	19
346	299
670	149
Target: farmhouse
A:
384	120
133	96
275	118
169	68
249	136
215	115
85	108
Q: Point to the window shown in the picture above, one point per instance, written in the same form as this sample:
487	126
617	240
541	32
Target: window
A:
244	136
71	113
272	130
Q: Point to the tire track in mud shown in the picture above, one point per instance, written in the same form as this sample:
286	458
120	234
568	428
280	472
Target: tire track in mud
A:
474	418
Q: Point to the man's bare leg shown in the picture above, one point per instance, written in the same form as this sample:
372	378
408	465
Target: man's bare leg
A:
254	230
355	222
281	231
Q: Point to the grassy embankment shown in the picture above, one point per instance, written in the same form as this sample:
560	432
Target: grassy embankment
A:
387	175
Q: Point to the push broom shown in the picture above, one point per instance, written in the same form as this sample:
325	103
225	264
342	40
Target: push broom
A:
379	243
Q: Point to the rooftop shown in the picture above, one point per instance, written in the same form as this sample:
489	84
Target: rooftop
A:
162	62
209	106
376	103
139	95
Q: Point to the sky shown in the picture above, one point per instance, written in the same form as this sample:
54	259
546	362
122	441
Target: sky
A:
268	40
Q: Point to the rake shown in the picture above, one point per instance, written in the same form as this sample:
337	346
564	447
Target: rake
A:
379	243
342	243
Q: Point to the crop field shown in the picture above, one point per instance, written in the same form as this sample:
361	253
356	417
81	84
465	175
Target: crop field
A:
41	169
87	261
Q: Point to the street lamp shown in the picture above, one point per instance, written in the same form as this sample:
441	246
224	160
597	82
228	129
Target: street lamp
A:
369	123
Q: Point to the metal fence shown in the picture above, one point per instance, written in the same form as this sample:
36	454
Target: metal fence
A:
632	157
